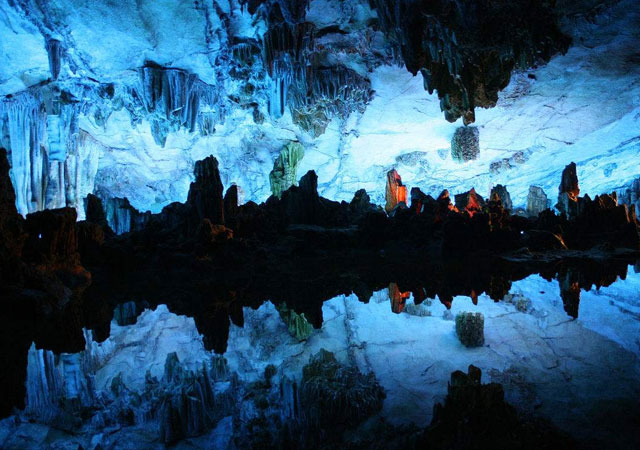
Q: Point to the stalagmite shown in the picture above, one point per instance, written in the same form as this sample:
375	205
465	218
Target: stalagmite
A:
398	298
285	168
631	195
569	192
296	324
503	195
396	192
537	201
206	192
122	217
470	202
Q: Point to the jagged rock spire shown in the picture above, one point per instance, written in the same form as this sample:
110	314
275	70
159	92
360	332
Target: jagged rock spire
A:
206	192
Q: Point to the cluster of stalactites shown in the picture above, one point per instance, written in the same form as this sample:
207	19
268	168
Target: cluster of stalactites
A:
319	94
314	94
441	39
172	99
53	162
286	49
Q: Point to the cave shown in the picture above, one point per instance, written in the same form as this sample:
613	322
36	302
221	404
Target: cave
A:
320	224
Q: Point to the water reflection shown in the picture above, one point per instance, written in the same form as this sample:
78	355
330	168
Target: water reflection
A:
583	374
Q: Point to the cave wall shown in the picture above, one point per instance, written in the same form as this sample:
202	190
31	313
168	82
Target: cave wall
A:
122	99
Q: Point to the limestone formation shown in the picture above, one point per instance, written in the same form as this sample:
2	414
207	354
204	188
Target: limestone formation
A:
172	99
418	200
52	237
335	395
569	193
631	195
468	73
205	193
398	298
465	144
537	201
11	235
94	211
470	202
470	329
396	192
501	192
231	202
476	415
296	323
318	94
122	217
285	168
209	234
361	204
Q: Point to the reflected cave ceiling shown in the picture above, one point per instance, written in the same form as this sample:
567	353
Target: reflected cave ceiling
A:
121	98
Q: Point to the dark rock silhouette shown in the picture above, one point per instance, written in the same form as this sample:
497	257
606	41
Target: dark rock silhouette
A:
476	416
206	192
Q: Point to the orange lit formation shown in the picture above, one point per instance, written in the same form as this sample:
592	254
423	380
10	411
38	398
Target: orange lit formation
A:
398	298
396	192
474	204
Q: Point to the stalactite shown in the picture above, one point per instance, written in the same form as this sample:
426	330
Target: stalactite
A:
170	99
294	42
317	95
439	40
54	51
28	160
53	163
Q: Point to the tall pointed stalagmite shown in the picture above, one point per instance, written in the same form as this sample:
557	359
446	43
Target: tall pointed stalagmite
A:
569	192
205	193
396	192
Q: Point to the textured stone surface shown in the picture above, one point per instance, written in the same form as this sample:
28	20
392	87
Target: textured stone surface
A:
285	168
465	144
470	329
503	194
569	191
537	201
